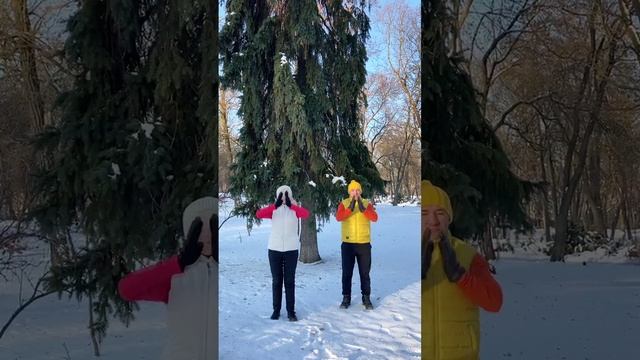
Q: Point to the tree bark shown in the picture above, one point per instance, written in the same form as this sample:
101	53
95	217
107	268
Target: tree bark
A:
614	223
487	242
545	201
594	187
309	238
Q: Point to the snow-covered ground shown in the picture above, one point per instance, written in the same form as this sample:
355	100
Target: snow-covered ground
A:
390	331
551	310
532	246
53	328
564	311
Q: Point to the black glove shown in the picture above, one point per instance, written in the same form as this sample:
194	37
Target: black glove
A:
287	201
279	201
192	248
427	251
452	267
361	205
352	205
215	245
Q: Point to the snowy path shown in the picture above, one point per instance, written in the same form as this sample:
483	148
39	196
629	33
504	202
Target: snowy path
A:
564	311
390	331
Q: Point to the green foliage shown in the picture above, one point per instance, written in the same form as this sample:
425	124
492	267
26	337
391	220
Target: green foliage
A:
301	74
135	143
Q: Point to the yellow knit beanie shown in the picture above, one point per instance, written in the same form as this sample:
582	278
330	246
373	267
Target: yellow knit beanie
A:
433	195
354	185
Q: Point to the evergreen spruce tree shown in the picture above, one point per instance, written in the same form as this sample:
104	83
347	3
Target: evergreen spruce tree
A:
135	143
460	152
300	66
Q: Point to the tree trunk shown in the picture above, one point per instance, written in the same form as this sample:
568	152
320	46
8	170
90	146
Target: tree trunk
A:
92	331
487	242
554	186
224	121
570	184
545	202
225	136
33	94
627	223
594	186
614	223
309	239
25	43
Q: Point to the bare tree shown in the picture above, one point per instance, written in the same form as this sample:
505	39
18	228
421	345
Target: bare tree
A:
228	103
557	81
402	42
381	91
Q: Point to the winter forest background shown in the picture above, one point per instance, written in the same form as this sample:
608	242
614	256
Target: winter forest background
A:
548	94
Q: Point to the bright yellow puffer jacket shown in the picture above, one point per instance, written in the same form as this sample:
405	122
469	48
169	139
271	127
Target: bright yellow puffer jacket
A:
450	322
356	228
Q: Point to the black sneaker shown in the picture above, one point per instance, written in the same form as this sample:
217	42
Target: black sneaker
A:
292	316
275	315
346	301
367	302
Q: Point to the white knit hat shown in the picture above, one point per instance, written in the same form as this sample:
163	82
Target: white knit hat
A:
284	188
204	208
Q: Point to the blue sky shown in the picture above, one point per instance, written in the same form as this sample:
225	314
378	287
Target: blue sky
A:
375	60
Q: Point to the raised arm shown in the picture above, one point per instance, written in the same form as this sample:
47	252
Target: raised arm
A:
300	211
151	283
266	212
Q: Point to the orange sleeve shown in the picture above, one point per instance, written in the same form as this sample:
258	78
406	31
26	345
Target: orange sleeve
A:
370	213
342	213
480	287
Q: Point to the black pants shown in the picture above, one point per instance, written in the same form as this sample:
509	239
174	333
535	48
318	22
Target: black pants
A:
351	253
283	268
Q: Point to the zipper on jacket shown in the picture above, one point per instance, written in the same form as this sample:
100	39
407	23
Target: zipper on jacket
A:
354	226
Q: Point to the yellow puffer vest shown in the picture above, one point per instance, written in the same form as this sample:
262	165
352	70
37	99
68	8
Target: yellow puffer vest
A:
450	322
356	228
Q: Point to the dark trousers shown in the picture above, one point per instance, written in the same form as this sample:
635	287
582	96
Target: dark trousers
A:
350	254
283	269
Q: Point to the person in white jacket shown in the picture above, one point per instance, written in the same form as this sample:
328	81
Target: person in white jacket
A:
283	247
188	284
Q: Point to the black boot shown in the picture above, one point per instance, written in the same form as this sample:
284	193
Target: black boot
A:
346	301
292	316
367	302
275	315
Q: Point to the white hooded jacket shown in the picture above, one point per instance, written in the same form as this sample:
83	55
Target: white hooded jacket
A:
192	309
191	295
192	313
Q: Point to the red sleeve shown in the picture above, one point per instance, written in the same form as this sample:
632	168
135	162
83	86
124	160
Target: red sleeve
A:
266	212
370	213
300	211
151	283
342	213
480	287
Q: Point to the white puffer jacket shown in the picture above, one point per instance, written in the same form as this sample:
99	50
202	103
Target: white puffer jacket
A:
284	229
193	313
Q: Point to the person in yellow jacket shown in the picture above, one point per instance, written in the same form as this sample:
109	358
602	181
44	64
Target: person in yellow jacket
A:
356	214
456	282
